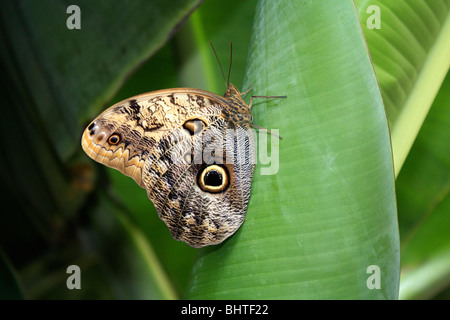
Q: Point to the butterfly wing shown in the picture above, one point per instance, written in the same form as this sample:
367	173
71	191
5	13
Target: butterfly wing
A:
153	139
193	211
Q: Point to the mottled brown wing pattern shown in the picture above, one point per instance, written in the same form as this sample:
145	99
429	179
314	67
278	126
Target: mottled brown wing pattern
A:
168	141
139	122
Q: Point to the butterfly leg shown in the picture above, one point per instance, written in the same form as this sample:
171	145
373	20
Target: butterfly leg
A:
251	98
248	90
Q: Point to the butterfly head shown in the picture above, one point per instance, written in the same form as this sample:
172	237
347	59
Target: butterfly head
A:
232	91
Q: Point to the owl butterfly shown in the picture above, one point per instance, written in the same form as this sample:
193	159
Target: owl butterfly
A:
192	150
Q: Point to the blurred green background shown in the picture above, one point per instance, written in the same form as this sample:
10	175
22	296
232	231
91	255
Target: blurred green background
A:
312	229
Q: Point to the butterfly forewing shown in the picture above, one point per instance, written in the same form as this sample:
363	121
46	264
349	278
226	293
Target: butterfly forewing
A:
124	134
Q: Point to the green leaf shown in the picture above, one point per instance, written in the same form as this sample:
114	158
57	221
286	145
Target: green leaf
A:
54	81
121	239
423	195
315	227
411	55
10	288
98	56
220	22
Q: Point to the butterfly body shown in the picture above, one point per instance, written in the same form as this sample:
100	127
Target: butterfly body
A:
192	150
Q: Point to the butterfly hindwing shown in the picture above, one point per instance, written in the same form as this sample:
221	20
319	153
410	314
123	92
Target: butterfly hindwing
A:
192	212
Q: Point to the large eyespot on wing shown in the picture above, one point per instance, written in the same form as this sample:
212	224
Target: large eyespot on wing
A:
202	216
213	178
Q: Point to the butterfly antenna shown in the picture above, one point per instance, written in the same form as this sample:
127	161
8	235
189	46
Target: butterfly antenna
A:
220	65
270	97
231	59
267	130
